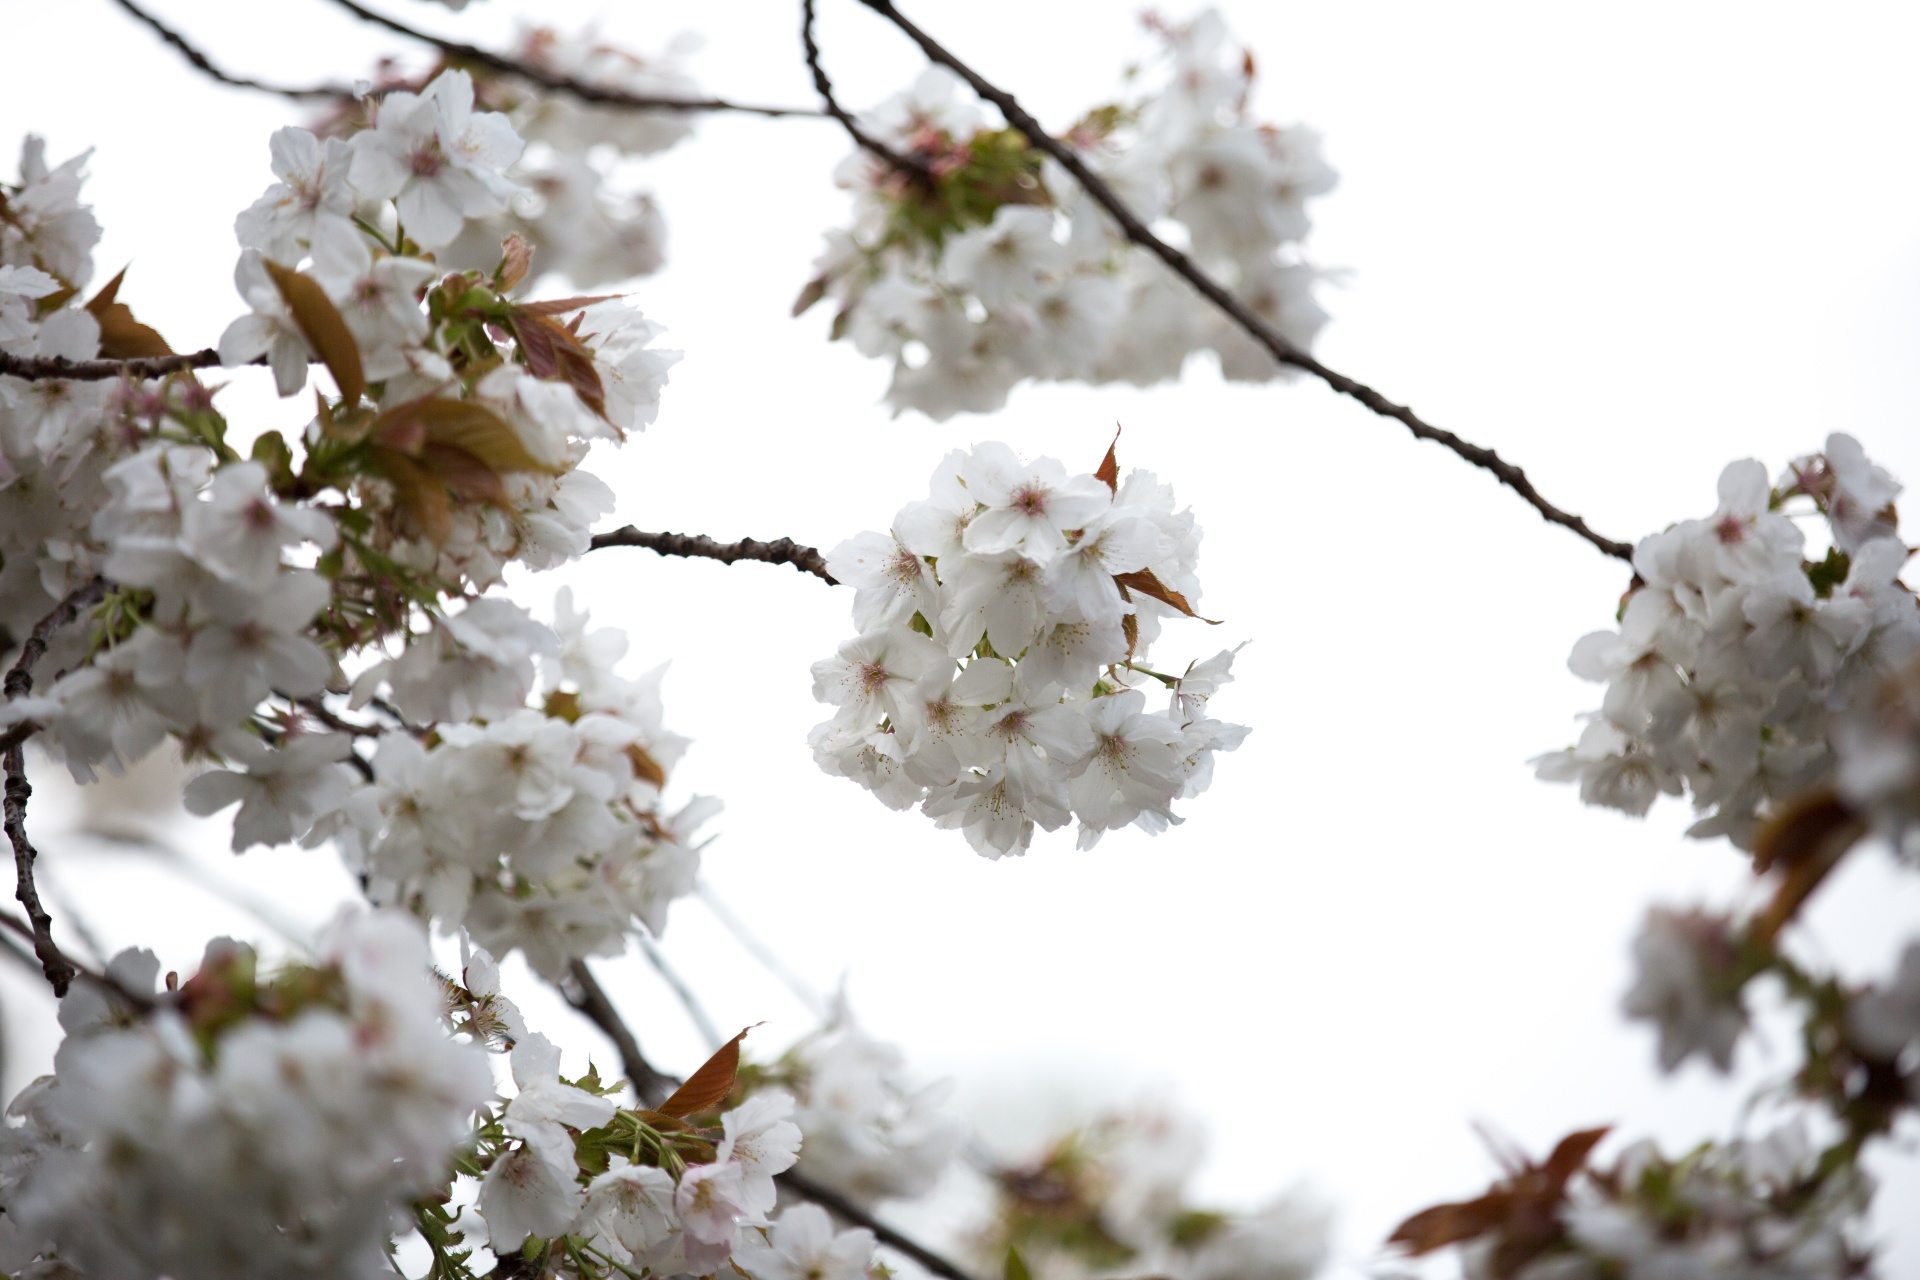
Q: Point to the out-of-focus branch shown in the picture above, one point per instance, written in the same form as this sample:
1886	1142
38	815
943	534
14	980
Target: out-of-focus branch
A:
863	139
699	546
841	1207
58	968
651	1084
35	367
584	90
1275	345
206	67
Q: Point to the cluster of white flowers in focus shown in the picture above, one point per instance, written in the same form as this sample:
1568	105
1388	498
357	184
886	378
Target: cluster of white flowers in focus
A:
574	200
999	267
537	828
245	1126
1004	626
1736	656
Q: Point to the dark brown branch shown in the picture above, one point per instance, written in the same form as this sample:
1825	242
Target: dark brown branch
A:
19	682
105	981
206	67
779	551
651	1084
31	367
1256	328
841	1207
861	138
584	90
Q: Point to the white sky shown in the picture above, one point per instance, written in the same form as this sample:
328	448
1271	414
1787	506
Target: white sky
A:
1624	245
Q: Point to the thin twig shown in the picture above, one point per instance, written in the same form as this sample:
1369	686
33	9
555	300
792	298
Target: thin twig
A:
861	138
584	90
649	1083
205	66
19	682
32	367
753	946
697	545
841	1207
1278	347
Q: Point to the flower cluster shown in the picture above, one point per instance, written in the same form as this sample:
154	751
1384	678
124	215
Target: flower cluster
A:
245	1124
572	200
1735	653
869	1134
539	828
1110	1198
1748	1208
996	266
586	1189
1004	625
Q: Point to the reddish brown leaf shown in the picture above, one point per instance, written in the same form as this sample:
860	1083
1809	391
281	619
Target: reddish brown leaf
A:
560	306
470	479
554	352
418	493
323	328
121	336
461	424
1144	581
1446	1224
708	1087
1130	628
516	259
815	290
1109	471
1571	1154
645	767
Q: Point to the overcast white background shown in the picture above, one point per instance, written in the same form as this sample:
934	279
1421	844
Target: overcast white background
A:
1623	244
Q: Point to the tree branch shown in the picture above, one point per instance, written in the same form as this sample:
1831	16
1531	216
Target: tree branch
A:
581	89
841	1207
1256	328
105	981
19	682
651	1084
866	141
34	367
205	66
779	551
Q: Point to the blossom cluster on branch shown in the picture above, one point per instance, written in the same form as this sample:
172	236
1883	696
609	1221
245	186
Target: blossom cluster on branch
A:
994	266
1004	628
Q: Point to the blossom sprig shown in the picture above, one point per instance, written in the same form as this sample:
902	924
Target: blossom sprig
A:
247	1123
573	203
1111	1197
1751	1207
1005	624
1736	653
990	265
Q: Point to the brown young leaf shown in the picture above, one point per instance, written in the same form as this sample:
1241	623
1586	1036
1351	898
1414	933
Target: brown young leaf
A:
1802	828
470	479
468	425
325	331
554	352
645	767
560	306
121	336
418	492
815	290
516	259
1109	471
1571	1155
1144	581
1446	1224
708	1087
